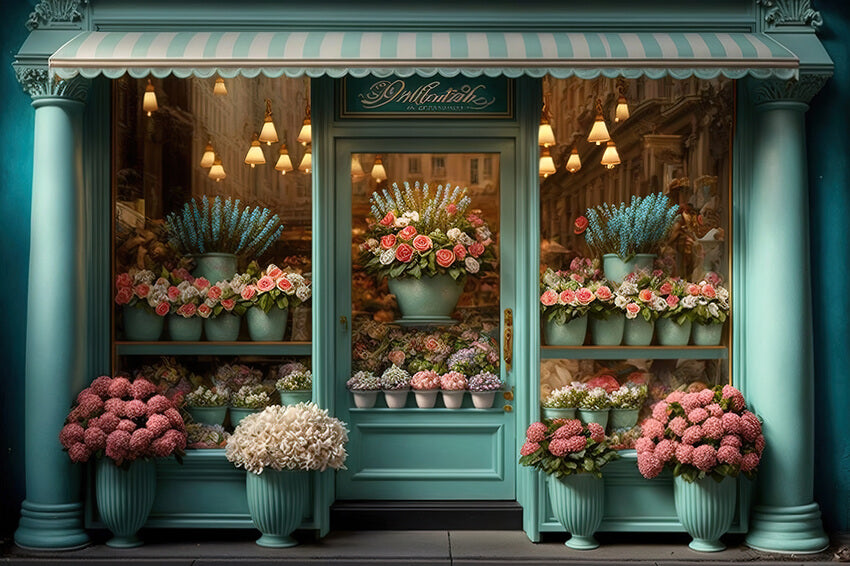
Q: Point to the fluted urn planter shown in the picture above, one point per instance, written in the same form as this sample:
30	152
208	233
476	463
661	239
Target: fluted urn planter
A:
276	501
124	499
578	501
426	298
705	508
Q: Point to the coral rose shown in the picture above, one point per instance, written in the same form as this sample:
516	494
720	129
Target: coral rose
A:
422	243
666	288
645	295
567	297
265	283
404	253
708	291
476	249
459	251
693	289
248	292
672	301
142	290
604	293
162	308
214	292
549	298
124	295
580	225
123	280
388	219
284	284
388	241
585	296
445	257
407	233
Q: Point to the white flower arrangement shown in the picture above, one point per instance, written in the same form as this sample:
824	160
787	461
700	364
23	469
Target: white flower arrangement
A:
250	397
296	381
629	396
569	396
295	437
595	400
207	397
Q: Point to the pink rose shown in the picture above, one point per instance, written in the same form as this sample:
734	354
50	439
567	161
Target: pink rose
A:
214	293
459	251
666	288
577	277
202	283
645	295
124	295
163	308
476	249
228	304
265	283
567	297
142	290
407	233
693	289
451	208
580	225
274	271
633	309
284	284
604	293
672	301
397	357
404	252
388	219
188	310
123	280
248	292
708	291
173	293
445	257
549	298
585	296
422	243
388	241
204	310
475	220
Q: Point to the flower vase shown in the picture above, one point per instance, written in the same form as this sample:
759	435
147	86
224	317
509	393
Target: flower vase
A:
266	326
239	413
705	508
397	398
207	415
671	333
482	399
615	269
598	416
707	334
426	298
426	398
215	267
222	328
578	503
571	333
124	498
622	418
364	399
559	412
293	397
453	399
276	501
608	331
638	332
142	325
182	329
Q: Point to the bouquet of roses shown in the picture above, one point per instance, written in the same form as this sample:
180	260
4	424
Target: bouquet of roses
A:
273	286
141	288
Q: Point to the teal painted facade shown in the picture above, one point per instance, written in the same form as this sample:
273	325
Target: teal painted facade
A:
828	206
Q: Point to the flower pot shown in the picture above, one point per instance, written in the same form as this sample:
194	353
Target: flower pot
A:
293	397
598	416
482	399
559	412
670	333
207	415
622	418
181	329
222	328
427	297
707	334
615	269
266	326
638	332
578	502
124	498
571	333
607	331
426	398
215	267
365	399
276	501
396	399
705	508
142	325
239	413
453	399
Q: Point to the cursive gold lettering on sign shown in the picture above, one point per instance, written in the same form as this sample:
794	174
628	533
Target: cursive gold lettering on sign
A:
429	96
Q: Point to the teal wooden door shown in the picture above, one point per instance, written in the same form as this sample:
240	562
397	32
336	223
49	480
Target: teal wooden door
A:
416	453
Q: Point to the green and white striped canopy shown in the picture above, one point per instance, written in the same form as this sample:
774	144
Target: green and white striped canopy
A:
315	53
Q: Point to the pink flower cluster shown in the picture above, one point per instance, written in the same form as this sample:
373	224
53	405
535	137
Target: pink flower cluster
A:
704	432
425	380
566	445
124	420
453	381
139	288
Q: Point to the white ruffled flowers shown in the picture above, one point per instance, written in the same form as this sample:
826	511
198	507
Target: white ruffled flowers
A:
295	437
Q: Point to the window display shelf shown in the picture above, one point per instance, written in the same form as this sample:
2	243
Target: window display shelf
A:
634	352
213	348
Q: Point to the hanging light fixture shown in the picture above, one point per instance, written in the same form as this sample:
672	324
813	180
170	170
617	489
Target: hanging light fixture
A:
268	134
574	161
149	104
610	158
378	171
547	164
621	114
284	163
545	134
356	167
217	170
208	158
599	131
219	87
305	136
255	153
306	162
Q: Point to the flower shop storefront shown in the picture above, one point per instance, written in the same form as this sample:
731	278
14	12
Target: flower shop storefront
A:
414	224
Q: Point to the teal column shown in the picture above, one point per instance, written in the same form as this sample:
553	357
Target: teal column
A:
778	310
51	515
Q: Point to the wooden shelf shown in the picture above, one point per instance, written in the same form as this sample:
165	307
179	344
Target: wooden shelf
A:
634	352
213	348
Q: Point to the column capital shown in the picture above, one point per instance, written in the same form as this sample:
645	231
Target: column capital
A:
785	12
37	82
57	14
800	90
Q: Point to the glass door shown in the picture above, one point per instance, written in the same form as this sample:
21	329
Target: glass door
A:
425	234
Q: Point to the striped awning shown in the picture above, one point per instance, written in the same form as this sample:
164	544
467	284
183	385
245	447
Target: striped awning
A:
316	53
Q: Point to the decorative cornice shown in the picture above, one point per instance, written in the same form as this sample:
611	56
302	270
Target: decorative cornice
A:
36	81
56	14
793	90
791	12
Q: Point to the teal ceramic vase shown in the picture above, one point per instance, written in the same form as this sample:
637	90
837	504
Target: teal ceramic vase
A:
124	499
266	326
181	329
622	418
608	331
707	334
558	412
222	328
276	501
239	413
207	415
670	333
598	416
578	502
615	269
215	267
142	325
705	508
293	397
638	332
571	333
426	298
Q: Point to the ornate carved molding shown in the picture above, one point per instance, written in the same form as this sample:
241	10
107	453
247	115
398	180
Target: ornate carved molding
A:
37	82
793	90
56	14
791	12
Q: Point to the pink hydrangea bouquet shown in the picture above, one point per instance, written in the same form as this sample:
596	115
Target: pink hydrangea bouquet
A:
425	380
705	433
273	286
123	420
141	288
566	446
453	381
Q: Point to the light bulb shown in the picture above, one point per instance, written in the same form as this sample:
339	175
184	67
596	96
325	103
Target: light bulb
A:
599	131
305	136
284	163
255	153
610	158
208	158
545	135
574	161
547	164
149	101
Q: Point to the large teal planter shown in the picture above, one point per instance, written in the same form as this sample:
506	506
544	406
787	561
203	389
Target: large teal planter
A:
215	267
607	331
222	328
598	416
124	499
276	500
578	501
558	412
571	333
142	325
615	269
638	332
182	329
266	326
707	334
428	297
207	415
705	508
622	418
239	413
290	397
669	333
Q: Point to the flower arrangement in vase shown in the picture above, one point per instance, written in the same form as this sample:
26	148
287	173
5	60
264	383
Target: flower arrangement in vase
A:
453	384
637	296
395	382
565	302
364	387
207	405
222	312
295	387
482	388
425	385
144	298
674	325
626	402
268	296
594	406
710	313
562	403
247	400
188	309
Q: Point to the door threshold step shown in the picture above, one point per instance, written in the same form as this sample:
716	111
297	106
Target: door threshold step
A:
426	515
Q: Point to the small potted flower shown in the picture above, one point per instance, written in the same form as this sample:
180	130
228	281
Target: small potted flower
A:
674	326
565	302
593	407
207	405
607	317
295	387
201	436
453	384
572	455
395	382
626	403
278	447
144	301
222	311
185	323
364	387
425	385
562	403
637	297
268	298
482	388
710	313
246	400
705	438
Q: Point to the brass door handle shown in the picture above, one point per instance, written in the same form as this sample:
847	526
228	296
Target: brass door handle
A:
508	342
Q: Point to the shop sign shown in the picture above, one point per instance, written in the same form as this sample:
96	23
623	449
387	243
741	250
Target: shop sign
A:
427	97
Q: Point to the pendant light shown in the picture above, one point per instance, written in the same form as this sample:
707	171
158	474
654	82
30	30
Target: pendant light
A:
219	87
545	134
547	164
621	114
284	163
149	104
217	170
356	167
574	161
306	162
268	134
610	158
305	136
208	158
378	171
255	153
599	131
